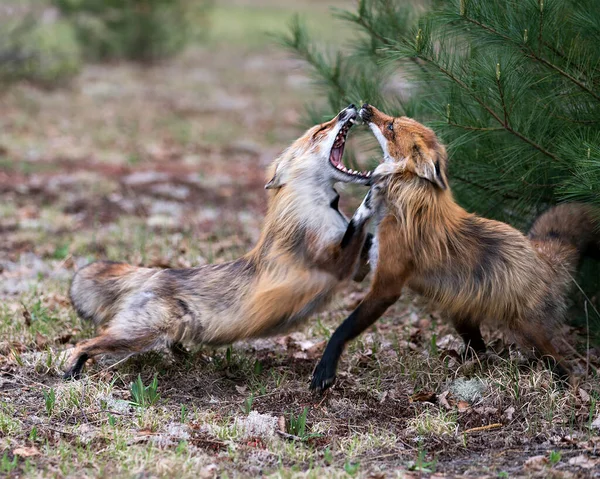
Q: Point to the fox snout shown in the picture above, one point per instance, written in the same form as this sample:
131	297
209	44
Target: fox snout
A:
370	114
366	113
349	113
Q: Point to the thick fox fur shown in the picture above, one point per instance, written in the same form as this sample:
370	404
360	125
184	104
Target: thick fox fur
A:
306	250
474	269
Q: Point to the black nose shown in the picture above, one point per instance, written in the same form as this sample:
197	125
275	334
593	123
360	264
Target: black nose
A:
366	113
351	106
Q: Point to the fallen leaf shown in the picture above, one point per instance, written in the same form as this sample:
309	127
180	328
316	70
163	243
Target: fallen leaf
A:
26	451
508	413
241	389
41	341
446	400
583	461
424	396
26	316
596	423
316	350
463	406
536	463
585	397
281	423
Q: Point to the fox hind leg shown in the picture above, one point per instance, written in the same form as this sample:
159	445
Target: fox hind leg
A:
109	342
471	335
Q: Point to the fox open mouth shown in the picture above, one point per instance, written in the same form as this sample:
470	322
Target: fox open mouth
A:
337	152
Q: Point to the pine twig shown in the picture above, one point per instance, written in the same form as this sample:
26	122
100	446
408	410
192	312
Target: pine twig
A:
502	98
531	54
475	128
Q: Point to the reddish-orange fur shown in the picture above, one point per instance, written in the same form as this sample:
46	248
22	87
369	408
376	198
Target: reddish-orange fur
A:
474	269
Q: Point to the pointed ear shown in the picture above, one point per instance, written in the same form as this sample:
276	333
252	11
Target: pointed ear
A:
277	181
433	168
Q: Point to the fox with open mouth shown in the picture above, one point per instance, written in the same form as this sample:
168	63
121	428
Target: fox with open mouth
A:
474	269
307	249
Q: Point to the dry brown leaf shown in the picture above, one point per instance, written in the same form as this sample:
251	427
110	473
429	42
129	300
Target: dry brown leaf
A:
316	350
535	463
26	451
26	316
585	397
424	396
41	341
463	406
446	400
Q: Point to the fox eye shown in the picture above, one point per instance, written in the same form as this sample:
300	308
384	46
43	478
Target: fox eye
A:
390	126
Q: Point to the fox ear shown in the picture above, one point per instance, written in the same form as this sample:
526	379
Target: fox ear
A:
277	181
433	168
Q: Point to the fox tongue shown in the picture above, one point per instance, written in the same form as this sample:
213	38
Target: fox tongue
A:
336	155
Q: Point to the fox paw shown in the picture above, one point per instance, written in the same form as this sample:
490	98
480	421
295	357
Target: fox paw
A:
323	377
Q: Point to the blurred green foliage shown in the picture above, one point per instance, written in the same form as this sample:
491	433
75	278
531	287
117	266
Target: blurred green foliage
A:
44	53
140	30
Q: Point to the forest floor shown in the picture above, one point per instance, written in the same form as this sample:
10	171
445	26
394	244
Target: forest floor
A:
165	166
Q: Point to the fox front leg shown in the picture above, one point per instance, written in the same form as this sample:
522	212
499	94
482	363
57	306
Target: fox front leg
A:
369	206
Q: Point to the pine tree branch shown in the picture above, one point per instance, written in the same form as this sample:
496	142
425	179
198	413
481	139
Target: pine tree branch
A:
359	20
502	98
487	108
369	28
574	65
531	54
475	128
540	30
573	120
462	179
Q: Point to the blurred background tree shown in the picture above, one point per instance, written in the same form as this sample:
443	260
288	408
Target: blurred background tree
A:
143	30
36	47
46	42
511	86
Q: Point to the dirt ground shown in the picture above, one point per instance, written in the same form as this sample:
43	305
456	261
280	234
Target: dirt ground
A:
165	166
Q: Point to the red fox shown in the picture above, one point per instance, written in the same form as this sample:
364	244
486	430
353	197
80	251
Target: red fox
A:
306	250
474	269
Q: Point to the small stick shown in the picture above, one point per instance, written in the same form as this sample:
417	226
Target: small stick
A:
484	428
288	436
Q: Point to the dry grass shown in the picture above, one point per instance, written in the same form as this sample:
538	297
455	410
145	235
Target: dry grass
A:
164	166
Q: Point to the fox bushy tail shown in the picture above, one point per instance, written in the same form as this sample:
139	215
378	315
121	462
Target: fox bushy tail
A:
568	226
98	289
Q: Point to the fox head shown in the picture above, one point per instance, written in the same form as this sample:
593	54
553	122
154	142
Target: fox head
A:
411	149
317	155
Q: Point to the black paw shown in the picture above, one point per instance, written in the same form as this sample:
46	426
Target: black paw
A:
323	377
72	374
